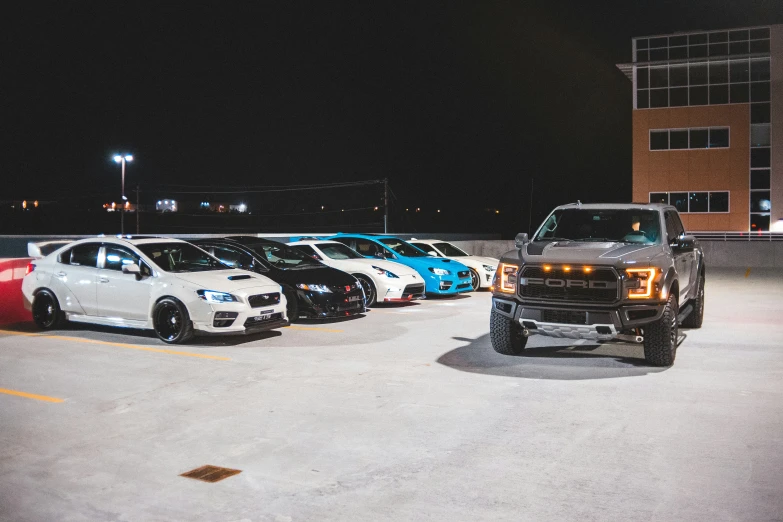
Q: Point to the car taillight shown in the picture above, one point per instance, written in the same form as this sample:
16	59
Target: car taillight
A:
30	268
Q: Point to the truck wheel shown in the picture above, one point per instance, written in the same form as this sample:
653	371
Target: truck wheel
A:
660	337
696	317
171	321
506	335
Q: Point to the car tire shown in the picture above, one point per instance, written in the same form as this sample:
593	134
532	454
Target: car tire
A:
292	303
506	335
171	321
475	280
660	337
696	317
47	314
370	292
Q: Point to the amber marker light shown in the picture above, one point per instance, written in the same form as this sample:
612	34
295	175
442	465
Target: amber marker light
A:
566	269
587	269
645	277
547	268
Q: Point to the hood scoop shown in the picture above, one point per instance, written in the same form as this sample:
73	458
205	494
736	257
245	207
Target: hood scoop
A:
239	277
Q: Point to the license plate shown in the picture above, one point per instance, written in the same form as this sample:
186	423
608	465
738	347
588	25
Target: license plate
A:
354	298
262	317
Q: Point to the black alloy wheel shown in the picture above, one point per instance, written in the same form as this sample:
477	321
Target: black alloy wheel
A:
475	280
172	321
370	294
46	310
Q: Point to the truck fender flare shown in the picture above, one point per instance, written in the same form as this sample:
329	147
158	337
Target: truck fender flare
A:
668	280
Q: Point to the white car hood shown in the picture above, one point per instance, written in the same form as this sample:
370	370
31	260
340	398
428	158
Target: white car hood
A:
367	264
218	280
474	261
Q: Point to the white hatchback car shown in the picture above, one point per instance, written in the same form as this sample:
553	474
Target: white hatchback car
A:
381	280
167	285
482	269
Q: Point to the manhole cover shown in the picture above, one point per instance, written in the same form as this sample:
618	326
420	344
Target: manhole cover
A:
211	473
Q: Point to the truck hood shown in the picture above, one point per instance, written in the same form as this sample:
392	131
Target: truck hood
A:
588	252
229	280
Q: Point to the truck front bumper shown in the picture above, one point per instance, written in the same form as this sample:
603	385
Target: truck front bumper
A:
575	322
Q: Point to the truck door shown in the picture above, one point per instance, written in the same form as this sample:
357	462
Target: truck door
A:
684	260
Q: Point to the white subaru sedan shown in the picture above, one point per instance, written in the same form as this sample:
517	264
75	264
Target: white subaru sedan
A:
482	269
381	280
167	285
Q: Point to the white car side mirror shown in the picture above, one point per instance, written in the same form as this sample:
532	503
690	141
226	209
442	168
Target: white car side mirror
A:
433	253
131	268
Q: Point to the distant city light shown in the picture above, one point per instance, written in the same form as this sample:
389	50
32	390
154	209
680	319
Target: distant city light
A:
376	208
439	210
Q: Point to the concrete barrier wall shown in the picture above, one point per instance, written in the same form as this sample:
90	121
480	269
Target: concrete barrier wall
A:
719	254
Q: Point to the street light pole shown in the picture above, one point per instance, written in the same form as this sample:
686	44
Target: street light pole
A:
122	159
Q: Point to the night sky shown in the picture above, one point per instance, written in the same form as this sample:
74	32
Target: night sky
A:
457	103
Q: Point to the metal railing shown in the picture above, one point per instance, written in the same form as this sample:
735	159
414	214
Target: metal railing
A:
738	236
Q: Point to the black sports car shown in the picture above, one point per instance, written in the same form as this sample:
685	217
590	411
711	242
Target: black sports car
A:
312	289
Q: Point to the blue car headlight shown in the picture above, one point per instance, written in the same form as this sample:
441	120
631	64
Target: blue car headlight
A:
315	288
385	272
439	271
211	296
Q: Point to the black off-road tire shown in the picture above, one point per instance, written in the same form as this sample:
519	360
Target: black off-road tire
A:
47	314
171	321
660	337
292	303
696	317
506	335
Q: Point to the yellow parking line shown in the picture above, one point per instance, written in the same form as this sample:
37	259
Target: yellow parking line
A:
30	395
314	328
118	345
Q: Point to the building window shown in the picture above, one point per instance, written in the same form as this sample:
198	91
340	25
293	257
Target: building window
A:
695	202
759	179
673	139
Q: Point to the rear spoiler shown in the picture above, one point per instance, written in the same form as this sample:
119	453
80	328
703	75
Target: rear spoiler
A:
44	248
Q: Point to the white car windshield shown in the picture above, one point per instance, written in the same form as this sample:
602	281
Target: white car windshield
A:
620	225
449	250
338	251
180	257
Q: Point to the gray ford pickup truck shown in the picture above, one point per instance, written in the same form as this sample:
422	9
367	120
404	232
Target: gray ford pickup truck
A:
626	272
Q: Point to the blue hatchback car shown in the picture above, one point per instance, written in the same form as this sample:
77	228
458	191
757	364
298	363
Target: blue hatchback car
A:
442	276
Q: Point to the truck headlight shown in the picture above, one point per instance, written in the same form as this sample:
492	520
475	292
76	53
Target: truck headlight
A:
640	282
439	271
506	278
212	296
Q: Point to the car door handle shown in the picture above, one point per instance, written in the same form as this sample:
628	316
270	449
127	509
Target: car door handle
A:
103	279
60	274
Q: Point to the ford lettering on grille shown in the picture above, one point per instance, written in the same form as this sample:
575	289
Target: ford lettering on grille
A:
557	284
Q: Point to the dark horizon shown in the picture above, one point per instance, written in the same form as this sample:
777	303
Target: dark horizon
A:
458	107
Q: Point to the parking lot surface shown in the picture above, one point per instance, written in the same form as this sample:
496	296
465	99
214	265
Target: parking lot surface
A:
405	413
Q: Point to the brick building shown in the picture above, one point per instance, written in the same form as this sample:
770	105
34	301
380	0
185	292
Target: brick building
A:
707	135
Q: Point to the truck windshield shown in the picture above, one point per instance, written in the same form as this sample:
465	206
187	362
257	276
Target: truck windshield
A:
617	225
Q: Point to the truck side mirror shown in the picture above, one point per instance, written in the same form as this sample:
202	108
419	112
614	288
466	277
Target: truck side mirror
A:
521	240
685	243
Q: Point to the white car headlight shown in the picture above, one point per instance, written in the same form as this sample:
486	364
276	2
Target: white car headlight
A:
440	271
385	272
212	296
488	268
315	288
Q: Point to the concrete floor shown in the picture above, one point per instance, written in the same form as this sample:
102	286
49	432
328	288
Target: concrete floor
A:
404	414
